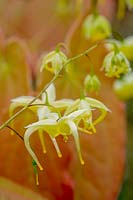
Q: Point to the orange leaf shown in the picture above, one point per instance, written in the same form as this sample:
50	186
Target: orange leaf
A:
15	79
12	191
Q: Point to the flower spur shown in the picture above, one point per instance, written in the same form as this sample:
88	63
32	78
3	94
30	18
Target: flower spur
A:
65	126
60	117
68	124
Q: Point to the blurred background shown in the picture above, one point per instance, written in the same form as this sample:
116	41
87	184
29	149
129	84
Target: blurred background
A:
42	24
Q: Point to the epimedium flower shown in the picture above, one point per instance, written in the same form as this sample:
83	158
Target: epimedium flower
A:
90	104
92	83
68	124
54	61
41	106
64	126
45	108
96	27
124	87
116	64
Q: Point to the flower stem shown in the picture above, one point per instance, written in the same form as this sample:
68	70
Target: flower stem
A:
5	124
12	129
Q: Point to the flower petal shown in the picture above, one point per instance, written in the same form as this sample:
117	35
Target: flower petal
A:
56	147
97	104
27	135
48	125
73	107
74	132
45	113
76	115
41	137
63	103
51	95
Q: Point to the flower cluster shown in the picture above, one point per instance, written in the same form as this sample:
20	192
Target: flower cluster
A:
60	117
116	64
54	61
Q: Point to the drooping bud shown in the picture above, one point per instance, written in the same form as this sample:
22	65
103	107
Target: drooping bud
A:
116	64
96	27
124	87
92	83
53	62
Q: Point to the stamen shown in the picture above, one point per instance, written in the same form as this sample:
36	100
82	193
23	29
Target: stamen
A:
34	164
85	131
56	147
92	127
37	180
65	138
42	140
81	159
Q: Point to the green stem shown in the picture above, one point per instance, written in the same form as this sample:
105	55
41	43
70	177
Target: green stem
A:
5	124
92	66
29	104
15	132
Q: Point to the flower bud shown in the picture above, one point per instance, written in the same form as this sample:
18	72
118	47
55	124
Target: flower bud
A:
124	87
96	27
54	61
92	83
116	64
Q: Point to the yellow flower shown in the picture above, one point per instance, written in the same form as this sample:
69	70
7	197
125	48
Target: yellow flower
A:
53	61
116	64
45	108
68	124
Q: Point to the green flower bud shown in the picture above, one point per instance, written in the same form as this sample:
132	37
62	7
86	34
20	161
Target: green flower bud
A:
116	64
96	27
92	83
54	61
124	87
129	4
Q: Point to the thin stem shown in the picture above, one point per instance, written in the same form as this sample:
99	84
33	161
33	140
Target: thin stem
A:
29	104
91	63
84	53
46	86
15	132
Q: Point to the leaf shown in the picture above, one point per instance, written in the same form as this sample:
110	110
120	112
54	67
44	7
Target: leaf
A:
11	191
15	79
